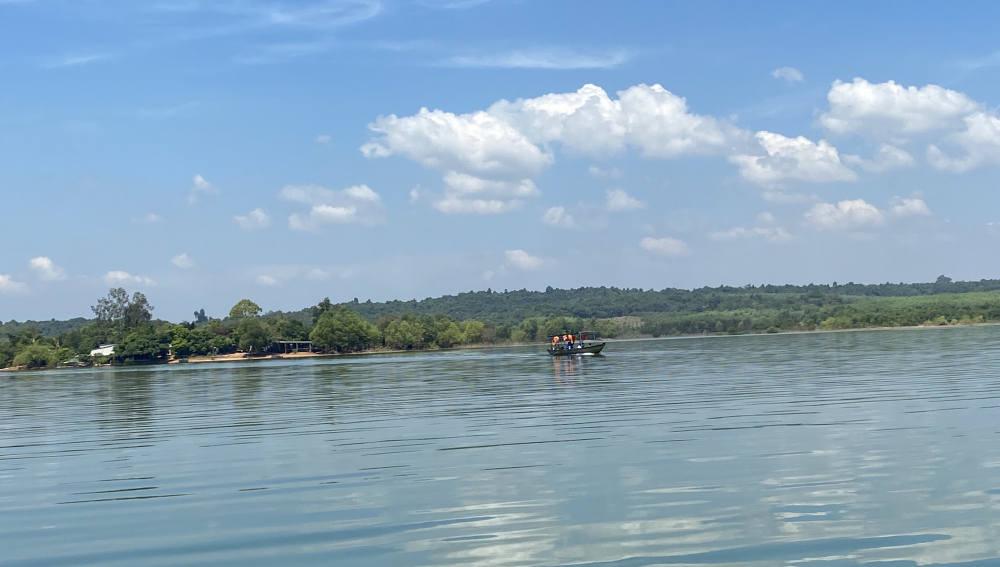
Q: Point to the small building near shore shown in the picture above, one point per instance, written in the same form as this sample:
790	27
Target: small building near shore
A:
103	350
292	346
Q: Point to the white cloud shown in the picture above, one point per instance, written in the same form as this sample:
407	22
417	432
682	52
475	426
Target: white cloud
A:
618	200
255	219
546	58
523	260
765	218
888	157
465	193
182	261
665	246
789	74
46	269
148	218
887	110
980	140
267	281
901	207
651	119
357	204
792	158
488	275
8	285
775	235
557	216
199	187
510	142
847	214
117	277
599	173
323	138
477	143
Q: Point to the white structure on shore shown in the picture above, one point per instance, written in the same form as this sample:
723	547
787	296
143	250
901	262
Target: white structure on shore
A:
103	350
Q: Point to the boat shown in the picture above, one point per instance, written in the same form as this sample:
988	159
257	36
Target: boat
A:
585	343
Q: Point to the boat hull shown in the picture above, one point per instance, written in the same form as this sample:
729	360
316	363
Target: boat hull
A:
589	349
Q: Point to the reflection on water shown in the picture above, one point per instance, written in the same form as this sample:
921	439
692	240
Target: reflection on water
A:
844	448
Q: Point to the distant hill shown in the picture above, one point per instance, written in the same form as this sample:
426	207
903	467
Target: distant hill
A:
49	328
511	307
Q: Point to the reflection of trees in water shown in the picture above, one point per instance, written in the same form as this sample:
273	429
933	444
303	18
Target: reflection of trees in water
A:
246	388
336	386
125	400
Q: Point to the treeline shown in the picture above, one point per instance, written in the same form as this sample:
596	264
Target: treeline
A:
127	323
508	317
512	307
865	312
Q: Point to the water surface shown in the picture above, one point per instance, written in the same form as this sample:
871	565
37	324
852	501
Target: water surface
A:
842	448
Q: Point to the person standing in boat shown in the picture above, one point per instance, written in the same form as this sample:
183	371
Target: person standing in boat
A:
572	339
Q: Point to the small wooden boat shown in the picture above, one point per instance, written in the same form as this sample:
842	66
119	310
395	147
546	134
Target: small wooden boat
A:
585	343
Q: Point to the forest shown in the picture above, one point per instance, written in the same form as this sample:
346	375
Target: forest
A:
492	317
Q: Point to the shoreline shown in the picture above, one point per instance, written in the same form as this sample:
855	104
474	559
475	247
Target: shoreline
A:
241	357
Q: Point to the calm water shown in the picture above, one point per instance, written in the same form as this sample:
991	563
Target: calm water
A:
844	448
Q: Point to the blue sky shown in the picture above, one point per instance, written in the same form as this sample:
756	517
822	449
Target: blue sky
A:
202	152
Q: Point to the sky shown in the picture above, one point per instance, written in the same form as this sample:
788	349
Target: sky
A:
202	152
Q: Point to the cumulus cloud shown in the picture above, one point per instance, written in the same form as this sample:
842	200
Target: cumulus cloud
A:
267	281
117	277
901	207
255	219
477	143
789	74
46	269
465	193
510	142
618	200
847	214
980	141
653	120
182	261
8	285
200	187
357	204
888	157
792	158
523	260
665	246
557	216
888	110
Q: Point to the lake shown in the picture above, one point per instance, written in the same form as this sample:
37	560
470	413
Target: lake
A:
844	448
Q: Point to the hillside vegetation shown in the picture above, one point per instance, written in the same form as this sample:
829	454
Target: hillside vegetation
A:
492	317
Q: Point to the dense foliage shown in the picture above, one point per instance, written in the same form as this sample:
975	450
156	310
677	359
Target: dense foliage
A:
492	317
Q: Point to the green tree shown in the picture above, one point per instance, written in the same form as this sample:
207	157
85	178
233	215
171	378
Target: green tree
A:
119	315
143	344
402	334
35	356
318	310
341	329
286	329
450	336
252	336
474	331
244	308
